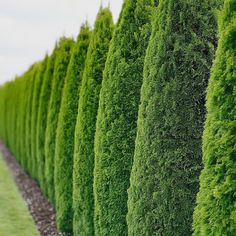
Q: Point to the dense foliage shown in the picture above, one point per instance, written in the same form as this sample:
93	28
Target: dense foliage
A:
44	99
65	131
215	211
34	116
167	161
86	124
117	114
64	50
111	126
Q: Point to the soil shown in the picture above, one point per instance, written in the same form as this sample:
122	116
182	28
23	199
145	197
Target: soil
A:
40	208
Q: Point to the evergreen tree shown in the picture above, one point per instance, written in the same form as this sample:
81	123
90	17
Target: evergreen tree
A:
2	98
35	105
117	115
86	123
167	160
62	60
18	117
7	112
22	134
28	118
215	211
61	64
14	95
43	114
65	131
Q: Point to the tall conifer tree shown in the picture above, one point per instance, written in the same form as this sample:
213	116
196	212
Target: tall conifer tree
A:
167	161
65	131
215	212
63	55
28	144
86	123
43	114
117	115
35	105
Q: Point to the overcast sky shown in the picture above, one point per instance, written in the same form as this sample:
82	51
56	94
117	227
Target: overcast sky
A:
30	28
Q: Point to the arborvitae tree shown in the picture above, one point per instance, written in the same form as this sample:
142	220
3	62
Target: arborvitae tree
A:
2	112
167	161
83	200
215	211
35	105
65	46
7	112
117	115
29	104
15	94
65	131
18	118
43	114
22	134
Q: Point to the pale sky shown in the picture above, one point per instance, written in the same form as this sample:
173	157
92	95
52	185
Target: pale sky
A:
30	28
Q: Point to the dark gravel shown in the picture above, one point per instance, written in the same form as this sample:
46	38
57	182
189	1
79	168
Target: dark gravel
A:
39	207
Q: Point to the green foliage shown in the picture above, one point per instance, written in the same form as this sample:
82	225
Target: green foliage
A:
15	106
29	104
117	114
83	201
215	211
43	114
167	160
65	131
61	64
35	105
18	117
23	148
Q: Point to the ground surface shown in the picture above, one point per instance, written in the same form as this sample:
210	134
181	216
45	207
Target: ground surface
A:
38	205
15	219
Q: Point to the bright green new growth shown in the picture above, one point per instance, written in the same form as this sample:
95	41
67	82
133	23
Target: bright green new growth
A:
117	115
35	105
65	131
83	201
43	114
215	213
46	166
167	161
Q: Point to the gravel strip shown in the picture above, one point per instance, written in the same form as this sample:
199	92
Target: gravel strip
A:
40	208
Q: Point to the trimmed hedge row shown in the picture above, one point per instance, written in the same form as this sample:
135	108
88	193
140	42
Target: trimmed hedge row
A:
110	126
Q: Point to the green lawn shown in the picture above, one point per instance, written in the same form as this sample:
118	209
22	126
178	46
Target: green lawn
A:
15	219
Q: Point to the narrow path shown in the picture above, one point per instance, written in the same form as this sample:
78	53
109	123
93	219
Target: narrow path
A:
15	219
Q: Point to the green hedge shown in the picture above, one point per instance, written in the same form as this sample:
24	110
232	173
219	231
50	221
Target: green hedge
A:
215	211
65	131
62	60
117	114
42	117
35	105
29	103
86	124
167	160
